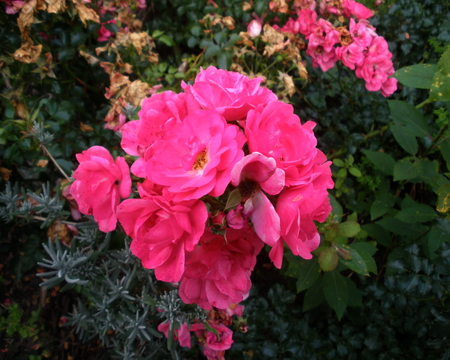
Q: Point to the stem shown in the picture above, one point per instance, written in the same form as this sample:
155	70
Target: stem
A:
376	132
41	218
422	104
54	161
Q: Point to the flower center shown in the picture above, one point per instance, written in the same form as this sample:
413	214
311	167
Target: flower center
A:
200	162
247	187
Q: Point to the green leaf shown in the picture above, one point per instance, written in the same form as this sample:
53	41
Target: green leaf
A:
408	123
314	295
355	172
412	231
381	205
444	62
444	146
222	60
356	263
366	250
338	163
443	203
382	161
336	292
440	87
417	213
166	39
405	138
157	33
328	259
3	136
417	76
212	50
406	169
438	234
354	294
381	235
305	271
404	113
349	228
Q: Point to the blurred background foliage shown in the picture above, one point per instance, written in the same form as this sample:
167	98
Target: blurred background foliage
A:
378	286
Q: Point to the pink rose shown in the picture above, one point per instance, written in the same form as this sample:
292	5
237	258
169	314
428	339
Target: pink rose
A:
276	131
254	28
158	114
103	33
307	21
350	55
353	8
362	32
218	270
251	175
229	93
182	334
297	207
162	230
99	182
196	157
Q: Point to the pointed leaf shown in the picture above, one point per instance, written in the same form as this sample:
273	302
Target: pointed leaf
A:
417	76
382	161
306	271
314	295
349	228
356	263
417	213
336	292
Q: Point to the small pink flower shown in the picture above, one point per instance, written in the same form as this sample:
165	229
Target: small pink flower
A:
225	335
162	230
218	270
103	33
353	8
229	93
252	174
362	32
196	157
307	21
254	28
351	55
13	7
182	334
389	87
99	182
141	4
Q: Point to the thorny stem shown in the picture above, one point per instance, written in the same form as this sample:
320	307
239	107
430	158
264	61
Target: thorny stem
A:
54	161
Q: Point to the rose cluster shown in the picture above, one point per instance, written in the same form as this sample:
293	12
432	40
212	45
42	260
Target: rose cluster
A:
356	44
226	168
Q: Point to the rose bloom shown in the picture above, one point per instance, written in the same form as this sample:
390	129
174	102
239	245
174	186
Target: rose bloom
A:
275	131
231	94
254	28
158	114
162	230
218	270
99	182
182	334
298	208
196	156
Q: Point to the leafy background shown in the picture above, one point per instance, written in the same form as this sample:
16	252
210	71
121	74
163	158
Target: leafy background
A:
377	287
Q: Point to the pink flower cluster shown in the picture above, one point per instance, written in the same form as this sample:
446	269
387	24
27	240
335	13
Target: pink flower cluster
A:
358	46
226	168
213	347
